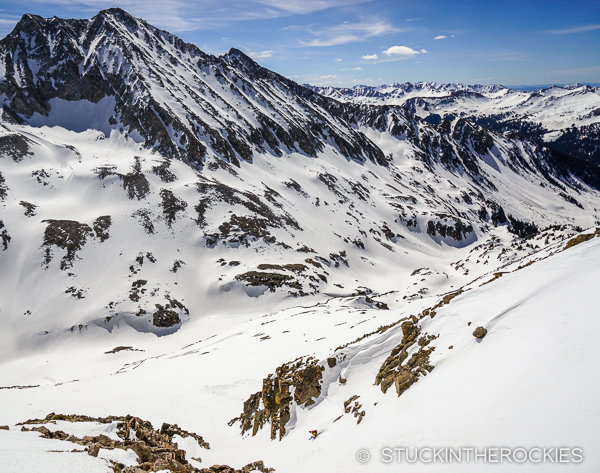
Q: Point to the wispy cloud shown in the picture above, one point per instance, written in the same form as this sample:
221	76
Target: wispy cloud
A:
179	15
349	33
337	59
260	54
414	19
304	6
440	37
329	76
8	22
362	81
578	29
370	57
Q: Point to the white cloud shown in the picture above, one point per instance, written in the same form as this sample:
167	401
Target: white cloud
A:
579	29
260	54
440	37
370	57
329	76
349	33
355	69
362	81
337	59
414	19
424	51
400	51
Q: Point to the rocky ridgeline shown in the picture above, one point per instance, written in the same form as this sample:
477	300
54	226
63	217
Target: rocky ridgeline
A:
298	381
155	448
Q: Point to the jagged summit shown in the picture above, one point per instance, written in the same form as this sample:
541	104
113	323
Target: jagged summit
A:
163	91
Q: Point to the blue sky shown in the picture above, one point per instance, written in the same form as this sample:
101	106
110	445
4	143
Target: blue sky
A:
348	42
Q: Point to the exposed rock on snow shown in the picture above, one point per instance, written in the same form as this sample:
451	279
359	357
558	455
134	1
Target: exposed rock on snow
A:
403	372
155	449
294	384
480	332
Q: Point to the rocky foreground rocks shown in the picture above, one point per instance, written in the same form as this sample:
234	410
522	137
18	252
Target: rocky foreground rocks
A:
155	448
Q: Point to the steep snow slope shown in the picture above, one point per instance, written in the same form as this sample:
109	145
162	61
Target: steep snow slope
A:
527	384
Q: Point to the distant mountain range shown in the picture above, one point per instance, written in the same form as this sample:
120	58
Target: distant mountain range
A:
566	119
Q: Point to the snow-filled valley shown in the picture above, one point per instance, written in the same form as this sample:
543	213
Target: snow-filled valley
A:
200	243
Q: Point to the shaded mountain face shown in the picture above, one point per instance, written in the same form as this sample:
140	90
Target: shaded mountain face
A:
163	92
145	184
565	119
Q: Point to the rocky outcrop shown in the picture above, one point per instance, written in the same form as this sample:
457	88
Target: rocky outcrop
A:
449	227
250	467
68	235
154	447
581	238
298	382
401	370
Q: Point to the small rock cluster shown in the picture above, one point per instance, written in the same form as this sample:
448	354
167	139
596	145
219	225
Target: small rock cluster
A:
355	409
